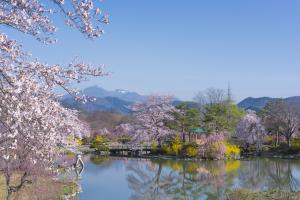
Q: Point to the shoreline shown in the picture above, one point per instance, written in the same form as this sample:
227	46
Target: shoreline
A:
168	157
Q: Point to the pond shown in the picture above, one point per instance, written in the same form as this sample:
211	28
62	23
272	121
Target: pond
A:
113	178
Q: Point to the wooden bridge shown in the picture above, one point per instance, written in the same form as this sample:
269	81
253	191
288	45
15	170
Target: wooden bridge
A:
129	150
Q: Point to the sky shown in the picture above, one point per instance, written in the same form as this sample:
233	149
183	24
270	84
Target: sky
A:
180	47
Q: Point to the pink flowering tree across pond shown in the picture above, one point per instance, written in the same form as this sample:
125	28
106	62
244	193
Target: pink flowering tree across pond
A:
250	131
152	116
34	126
129	133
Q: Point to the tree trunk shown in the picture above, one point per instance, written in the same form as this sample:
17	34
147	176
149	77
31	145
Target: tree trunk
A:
288	139
159	143
11	189
8	194
277	139
8	190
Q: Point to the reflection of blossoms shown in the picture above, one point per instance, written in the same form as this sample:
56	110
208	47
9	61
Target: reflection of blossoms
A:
174	179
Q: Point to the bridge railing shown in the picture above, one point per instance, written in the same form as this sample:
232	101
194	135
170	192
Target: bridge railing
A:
128	147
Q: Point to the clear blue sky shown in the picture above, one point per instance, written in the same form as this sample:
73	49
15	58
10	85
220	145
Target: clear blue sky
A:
180	47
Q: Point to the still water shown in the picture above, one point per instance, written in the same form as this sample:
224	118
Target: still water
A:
114	178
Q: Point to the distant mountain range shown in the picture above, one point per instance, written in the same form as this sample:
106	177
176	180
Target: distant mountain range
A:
257	104
117	101
124	95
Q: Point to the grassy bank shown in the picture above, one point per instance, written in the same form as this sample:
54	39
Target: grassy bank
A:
42	188
268	195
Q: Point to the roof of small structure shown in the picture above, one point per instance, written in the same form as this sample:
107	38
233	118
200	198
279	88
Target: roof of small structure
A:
198	130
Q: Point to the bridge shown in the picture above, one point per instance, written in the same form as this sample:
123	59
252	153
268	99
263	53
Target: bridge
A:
130	150
114	150
120	150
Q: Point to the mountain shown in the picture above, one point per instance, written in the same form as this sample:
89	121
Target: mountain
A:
117	101
257	104
124	95
109	104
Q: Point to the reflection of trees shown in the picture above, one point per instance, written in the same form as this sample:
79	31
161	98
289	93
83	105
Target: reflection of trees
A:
99	160
168	179
96	163
253	174
147	180
264	174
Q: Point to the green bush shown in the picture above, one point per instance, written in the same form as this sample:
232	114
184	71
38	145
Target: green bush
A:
100	143
268	140
295	144
190	149
86	140
124	139
283	146
173	147
215	150
232	151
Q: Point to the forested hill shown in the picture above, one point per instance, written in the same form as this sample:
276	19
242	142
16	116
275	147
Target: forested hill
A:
257	104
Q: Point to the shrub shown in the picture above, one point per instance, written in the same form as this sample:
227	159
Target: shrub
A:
268	140
190	149
283	146
232	151
124	139
78	141
214	147
155	149
100	143
216	150
174	147
86	140
296	144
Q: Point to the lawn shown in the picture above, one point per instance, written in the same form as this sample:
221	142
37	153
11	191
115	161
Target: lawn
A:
243	194
42	188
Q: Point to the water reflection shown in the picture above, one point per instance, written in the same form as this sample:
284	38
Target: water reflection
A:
167	179
170	179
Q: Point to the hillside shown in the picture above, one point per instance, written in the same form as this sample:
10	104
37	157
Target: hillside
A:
100	120
257	104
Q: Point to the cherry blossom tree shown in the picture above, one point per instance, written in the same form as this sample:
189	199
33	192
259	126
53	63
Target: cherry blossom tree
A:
250	130
34	127
152	116
213	146
130	133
